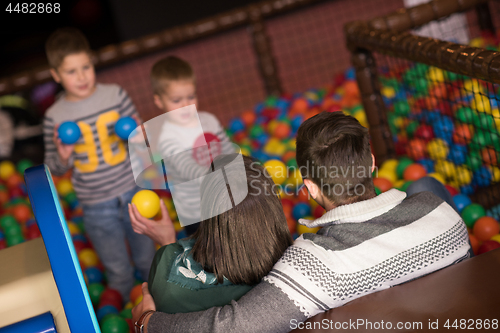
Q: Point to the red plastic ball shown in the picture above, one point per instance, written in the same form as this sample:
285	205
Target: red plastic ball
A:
453	191
416	149
424	132
488	246
318	212
22	213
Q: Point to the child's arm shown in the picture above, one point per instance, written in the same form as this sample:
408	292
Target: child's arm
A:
58	156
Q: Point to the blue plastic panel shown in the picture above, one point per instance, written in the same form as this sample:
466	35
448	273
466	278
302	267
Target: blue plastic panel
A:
43	323
61	252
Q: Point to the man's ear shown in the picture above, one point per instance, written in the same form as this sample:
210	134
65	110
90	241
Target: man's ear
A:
373	163
158	102
312	187
55	75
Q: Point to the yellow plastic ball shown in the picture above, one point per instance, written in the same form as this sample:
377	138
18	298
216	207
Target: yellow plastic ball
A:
445	168
361	117
481	103
245	151
138	300
435	75
147	203
463	176
7	169
388	92
129	305
438	177
277	170
313	204
387	174
390	165
88	257
295	178
496	238
271	126
476	42
473	86
399	183
302	229
73	228
437	149
292	144
495	174
64	187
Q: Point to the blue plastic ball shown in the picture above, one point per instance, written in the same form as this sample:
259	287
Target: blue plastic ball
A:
94	275
297	121
79	237
2	236
69	132
105	310
301	210
124	126
181	234
482	177
236	125
467	189
428	164
461	201
458	154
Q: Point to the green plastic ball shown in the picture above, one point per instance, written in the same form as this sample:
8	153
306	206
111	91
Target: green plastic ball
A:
126	313
401	108
14	240
377	190
255	131
114	324
473	160
271	101
23	165
13	230
411	128
404	162
466	115
484	121
95	292
7	220
471	213
406	185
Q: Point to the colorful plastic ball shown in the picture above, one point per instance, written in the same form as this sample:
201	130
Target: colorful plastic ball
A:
147	203
482	177
488	246
302	229
462	134
248	117
382	184
453	191
64	187
445	168
21	213
437	149
12	230
404	162
124	126
485	228
390	164
7	169
438	177
474	243
481	103
473	160
126	313
95	291
471	213
236	125
94	275
282	130
458	154
277	170
414	172
23	165
114	324
295	179
428	164
88	257
297	120
490	156
424	132
7	220
135	293
69	132
416	149
300	210
106	310
14	239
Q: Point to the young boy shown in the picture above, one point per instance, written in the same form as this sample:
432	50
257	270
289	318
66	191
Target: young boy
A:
368	242
102	175
190	139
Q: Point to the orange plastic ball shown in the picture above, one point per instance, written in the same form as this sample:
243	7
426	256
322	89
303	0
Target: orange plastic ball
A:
474	242
485	228
248	117
292	225
383	184
462	134
489	156
21	213
135	293
416	149
300	105
282	130
414	172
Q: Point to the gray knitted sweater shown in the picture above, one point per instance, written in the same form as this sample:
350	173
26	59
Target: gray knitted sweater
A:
362	248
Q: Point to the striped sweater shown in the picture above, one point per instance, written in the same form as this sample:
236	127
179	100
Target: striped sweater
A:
100	162
362	248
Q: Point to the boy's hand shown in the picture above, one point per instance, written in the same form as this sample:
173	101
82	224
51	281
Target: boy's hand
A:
146	304
64	151
161	231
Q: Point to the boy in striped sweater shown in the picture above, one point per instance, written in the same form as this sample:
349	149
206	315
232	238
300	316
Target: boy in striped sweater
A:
102	175
367	243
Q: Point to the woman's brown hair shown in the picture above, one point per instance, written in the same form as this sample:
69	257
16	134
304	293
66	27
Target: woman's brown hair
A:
242	243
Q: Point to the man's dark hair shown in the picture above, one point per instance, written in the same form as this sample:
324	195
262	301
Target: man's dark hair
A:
243	243
333	151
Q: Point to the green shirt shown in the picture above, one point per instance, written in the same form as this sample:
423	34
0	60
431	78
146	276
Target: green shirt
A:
173	297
